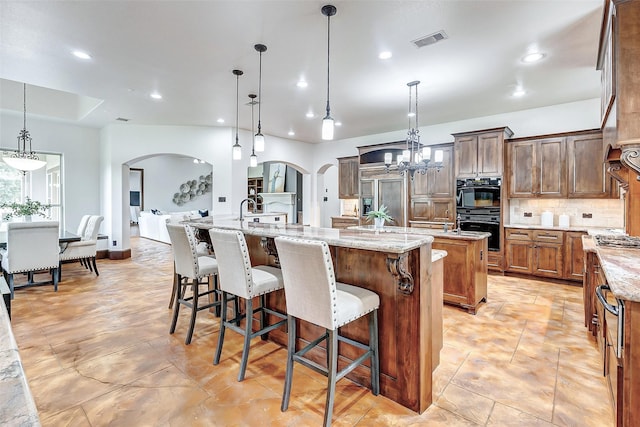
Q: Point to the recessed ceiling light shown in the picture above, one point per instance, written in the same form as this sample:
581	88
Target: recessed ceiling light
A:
302	84
310	115
411	114
80	54
156	95
220	120
291	133
338	124
533	57
385	55
519	92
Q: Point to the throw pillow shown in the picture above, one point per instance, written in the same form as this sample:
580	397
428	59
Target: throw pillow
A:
204	212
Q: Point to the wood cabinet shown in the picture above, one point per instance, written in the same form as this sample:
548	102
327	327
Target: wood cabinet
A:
587	176
254	187
432	193
348	177
343	221
546	253
537	168
480	153
465	271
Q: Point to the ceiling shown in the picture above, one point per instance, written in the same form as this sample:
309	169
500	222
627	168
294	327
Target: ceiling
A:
186	50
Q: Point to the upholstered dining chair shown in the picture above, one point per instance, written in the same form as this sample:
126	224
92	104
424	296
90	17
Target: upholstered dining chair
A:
31	247
190	266
312	294
85	250
240	279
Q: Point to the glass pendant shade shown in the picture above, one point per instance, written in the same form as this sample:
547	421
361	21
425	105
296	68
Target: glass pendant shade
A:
253	160
327	128
259	142
24	164
237	152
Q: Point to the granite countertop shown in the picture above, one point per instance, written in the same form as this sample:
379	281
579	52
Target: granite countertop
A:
621	267
348	238
586	229
17	407
437	254
465	235
355	218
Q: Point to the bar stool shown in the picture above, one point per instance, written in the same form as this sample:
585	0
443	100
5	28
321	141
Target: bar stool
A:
189	265
238	278
313	295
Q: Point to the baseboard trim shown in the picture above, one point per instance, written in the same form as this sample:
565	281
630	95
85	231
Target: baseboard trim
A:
118	255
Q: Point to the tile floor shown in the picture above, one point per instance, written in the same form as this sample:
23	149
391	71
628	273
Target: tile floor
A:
98	353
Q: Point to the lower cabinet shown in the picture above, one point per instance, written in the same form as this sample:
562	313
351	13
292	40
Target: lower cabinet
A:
343	222
465	271
545	253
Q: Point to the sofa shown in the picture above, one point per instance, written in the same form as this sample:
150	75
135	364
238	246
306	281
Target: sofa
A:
154	225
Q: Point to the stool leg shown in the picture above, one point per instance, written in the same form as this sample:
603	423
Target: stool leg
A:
247	338
216	295
194	310
95	266
176	307
263	316
223	321
174	288
291	349
375	356
332	349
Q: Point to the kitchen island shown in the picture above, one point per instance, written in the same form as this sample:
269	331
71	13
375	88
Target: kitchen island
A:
465	267
398	268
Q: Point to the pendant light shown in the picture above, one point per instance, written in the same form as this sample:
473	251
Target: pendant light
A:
259	138
22	159
253	160
327	122
237	149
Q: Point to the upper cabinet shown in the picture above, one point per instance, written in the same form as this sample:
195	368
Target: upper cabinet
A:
348	177
559	166
432	194
480	153
537	168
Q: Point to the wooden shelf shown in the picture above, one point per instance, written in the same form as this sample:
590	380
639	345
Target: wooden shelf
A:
254	187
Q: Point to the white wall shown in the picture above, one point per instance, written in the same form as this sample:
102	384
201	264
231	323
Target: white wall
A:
163	176
79	147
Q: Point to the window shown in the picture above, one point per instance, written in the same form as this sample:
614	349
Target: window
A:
44	184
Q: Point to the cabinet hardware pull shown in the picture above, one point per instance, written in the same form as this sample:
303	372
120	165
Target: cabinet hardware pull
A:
610	308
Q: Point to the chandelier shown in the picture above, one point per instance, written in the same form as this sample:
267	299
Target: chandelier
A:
22	159
414	157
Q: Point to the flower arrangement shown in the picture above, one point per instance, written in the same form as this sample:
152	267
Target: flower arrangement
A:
28	208
381	215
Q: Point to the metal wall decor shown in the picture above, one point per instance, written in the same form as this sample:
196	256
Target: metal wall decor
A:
192	189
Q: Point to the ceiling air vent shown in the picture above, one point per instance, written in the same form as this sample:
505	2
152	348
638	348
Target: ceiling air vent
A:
121	119
430	39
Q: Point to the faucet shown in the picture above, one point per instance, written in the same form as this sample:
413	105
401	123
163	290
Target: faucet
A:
249	201
458	218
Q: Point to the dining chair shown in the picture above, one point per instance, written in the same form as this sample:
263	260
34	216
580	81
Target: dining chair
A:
240	279
31	247
84	250
188	265
312	294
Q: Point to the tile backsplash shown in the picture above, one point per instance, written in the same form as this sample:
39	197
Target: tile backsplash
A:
582	212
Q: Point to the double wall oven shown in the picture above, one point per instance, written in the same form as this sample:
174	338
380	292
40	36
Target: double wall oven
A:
478	206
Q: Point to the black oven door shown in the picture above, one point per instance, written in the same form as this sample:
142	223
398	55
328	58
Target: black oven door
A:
485	227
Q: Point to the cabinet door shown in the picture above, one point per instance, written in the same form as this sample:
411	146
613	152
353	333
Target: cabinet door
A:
391	194
420	185
551	168
348	178
466	156
366	188
441	183
547	260
442	210
420	210
518	256
573	256
521	163
587	169
490	155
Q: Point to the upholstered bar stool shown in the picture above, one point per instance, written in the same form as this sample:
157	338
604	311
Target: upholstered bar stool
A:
238	278
313	295
189	265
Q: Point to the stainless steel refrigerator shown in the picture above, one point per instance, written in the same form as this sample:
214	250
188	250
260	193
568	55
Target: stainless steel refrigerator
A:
379	188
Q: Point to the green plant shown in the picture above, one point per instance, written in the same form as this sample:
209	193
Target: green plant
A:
29	207
380	213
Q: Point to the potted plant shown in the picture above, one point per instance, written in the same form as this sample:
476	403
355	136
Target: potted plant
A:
379	216
26	209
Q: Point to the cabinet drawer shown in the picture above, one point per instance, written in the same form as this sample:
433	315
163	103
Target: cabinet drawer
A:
518	234
548	236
